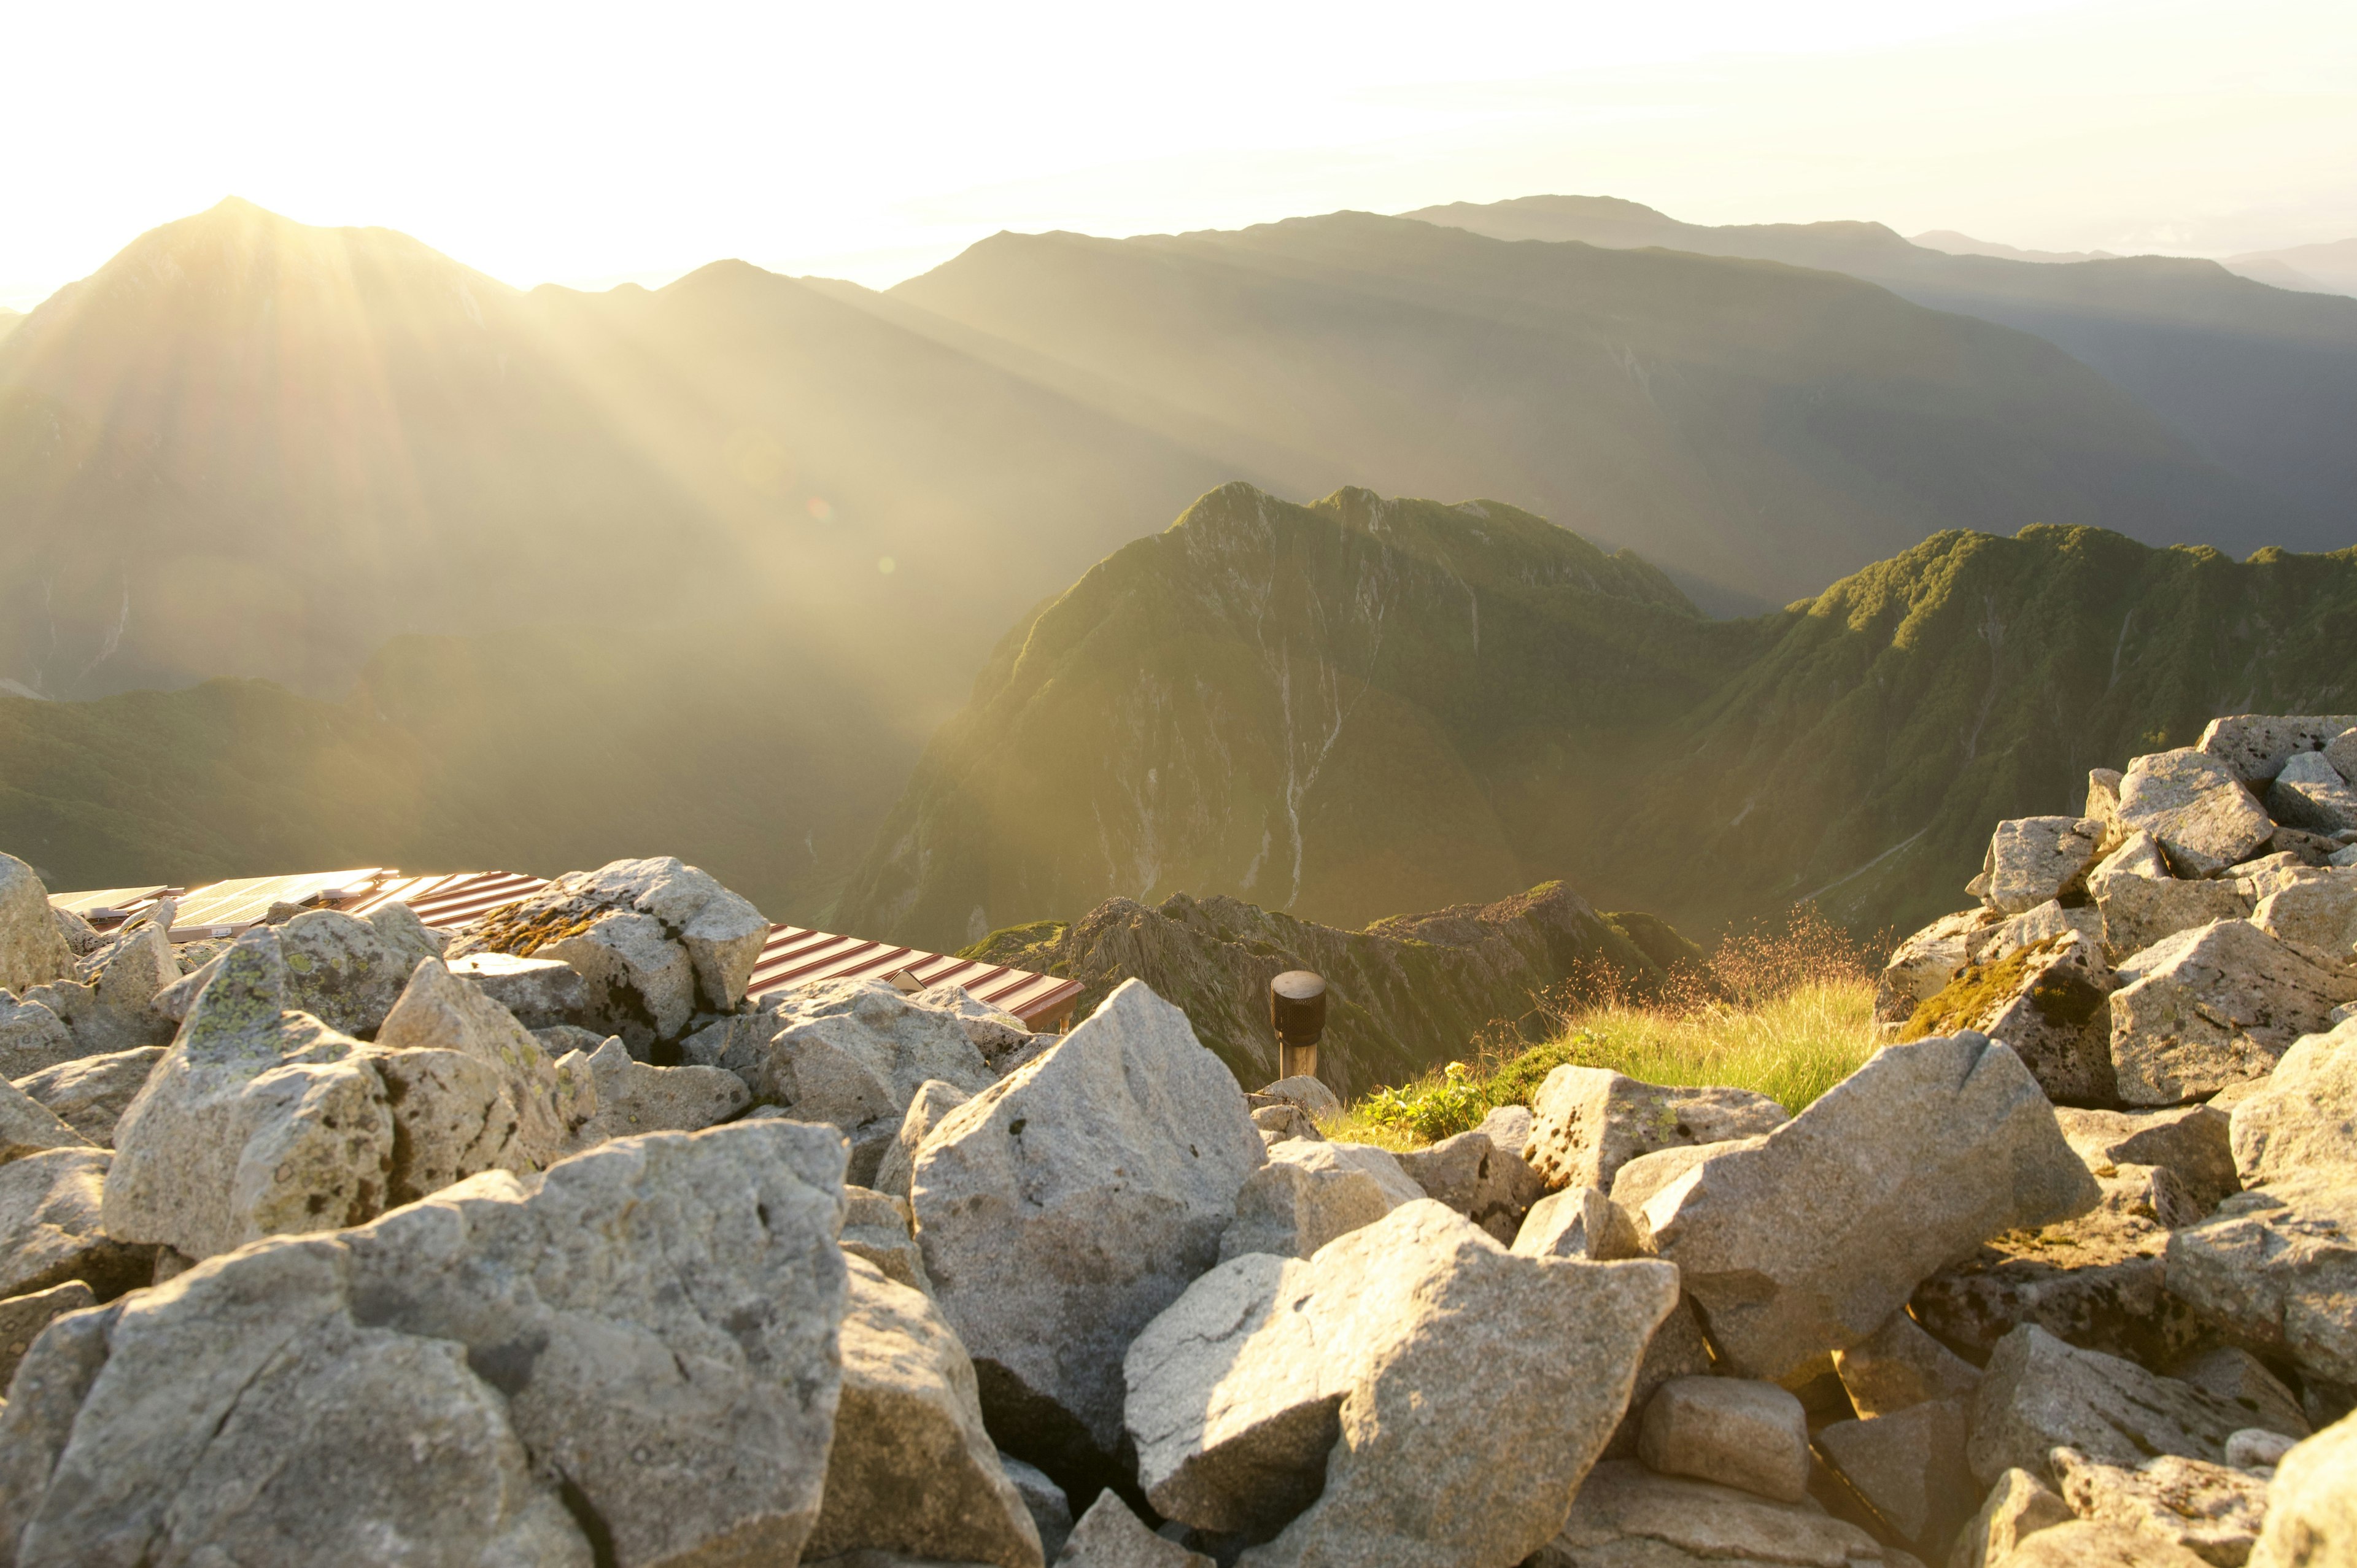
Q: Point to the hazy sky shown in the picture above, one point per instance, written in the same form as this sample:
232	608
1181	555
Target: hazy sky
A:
585	144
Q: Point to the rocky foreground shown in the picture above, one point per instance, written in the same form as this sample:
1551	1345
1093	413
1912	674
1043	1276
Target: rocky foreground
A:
357	1241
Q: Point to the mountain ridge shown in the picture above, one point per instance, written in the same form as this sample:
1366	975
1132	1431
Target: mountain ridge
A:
2260	380
1849	749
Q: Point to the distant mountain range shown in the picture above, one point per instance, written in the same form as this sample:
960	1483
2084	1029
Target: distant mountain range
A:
2261	381
1366	704
1957	244
2328	268
699	569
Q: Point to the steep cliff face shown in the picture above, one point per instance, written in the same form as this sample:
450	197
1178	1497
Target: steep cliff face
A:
1364	705
1290	704
1403	994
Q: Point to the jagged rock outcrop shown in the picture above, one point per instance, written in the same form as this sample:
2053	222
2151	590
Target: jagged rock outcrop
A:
2223	934
262	1120
33	951
640	1345
657	942
1297	1395
1806	1240
1065	1206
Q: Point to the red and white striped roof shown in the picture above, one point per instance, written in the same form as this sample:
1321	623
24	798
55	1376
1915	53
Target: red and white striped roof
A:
792	956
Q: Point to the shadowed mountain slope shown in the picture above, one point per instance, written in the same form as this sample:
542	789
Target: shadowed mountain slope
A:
1338	709
2260	380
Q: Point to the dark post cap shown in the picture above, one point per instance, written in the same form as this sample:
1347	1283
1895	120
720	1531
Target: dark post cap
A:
1299	984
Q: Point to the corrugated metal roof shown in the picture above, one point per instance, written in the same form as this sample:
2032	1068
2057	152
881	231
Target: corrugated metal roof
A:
793	955
225	909
121	900
456	900
796	956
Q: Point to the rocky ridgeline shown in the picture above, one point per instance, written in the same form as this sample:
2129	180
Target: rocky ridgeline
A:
537	1243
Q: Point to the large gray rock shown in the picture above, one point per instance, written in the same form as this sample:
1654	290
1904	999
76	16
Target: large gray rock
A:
2278	1268
1589	1121
656	941
2139	911
32	949
1067	1204
470	1088
633	1098
2193	1142
1678	1349
2341	752
2041	923
31	1037
543	992
265	1425
2256	746
22	1318
1492	1186
29	1127
855	1051
2211	1007
644	1340
118	1012
78	933
2312	1504
641	985
995	1033
2040	1394
1051	1511
348	972
911	1469
2033	859
2211	1510
90	1094
1110	1535
2098	1281
1736	1431
1909	1467
1921	966
2311	793
877	1226
2046	1002
2086	1544
1577	1222
1626	1517
1279	1389
2303	1116
2318	910
933	1100
257	1122
2240	1378
50	1230
1900	1366
2018	1506
1809	1240
2195	807
1294	1205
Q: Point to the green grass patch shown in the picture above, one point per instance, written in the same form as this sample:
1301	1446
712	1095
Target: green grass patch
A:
1787	1015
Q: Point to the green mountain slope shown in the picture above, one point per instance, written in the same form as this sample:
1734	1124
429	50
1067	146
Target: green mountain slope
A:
2261	380
1364	704
1289	704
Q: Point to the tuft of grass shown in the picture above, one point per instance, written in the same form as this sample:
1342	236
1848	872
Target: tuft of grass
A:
1787	1014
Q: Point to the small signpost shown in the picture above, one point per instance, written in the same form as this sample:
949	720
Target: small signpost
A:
1296	1008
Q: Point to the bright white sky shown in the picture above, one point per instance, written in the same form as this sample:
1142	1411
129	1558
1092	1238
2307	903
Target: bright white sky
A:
587	142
